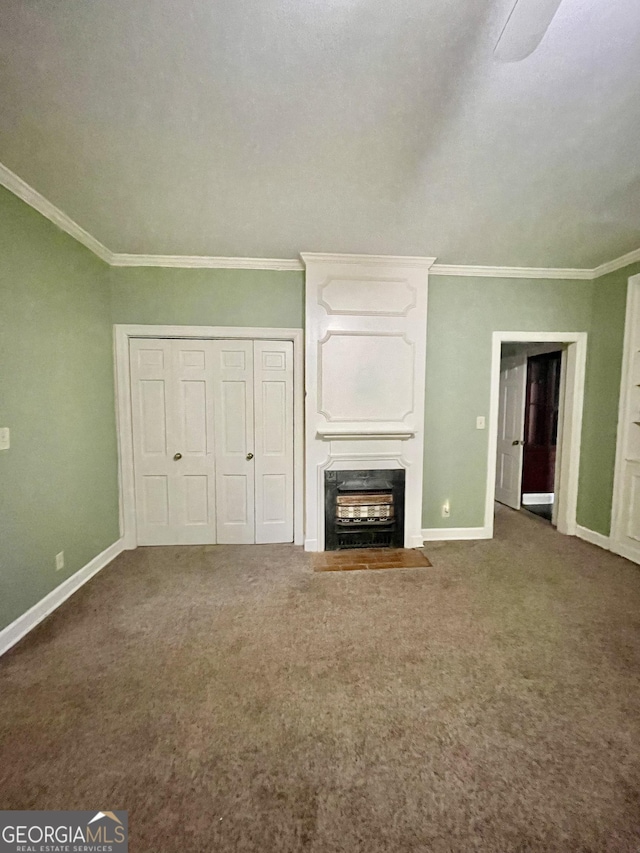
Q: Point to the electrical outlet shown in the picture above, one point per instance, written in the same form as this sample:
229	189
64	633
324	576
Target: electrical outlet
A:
480	422
446	511
59	561
5	441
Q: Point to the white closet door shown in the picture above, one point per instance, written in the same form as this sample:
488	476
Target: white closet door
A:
194	506
172	413
513	380
151	391
273	383
234	431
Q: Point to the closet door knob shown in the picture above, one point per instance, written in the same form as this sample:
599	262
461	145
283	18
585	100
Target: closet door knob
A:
178	456
249	457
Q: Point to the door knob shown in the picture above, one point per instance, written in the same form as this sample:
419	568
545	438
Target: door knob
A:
515	442
249	456
178	456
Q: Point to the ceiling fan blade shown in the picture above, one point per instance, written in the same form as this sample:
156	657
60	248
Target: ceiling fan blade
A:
525	28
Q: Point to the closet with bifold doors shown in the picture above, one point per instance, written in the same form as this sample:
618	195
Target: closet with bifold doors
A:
212	428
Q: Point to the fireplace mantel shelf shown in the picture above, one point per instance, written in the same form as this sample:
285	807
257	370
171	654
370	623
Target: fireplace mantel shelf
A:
333	431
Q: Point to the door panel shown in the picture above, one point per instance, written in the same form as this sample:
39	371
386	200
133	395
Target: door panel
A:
234	429
513	374
197	507
155	499
172	411
153	417
194	474
193	410
273	369
151	381
234	436
234	499
212	404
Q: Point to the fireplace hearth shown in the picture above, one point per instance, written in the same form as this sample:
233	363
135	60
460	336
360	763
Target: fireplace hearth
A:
364	509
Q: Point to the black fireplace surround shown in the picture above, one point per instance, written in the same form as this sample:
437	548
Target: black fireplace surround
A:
364	509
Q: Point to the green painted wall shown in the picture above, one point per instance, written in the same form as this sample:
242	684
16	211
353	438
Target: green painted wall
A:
196	297
58	481
463	314
602	394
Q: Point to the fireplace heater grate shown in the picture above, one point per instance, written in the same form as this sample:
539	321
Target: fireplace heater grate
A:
364	509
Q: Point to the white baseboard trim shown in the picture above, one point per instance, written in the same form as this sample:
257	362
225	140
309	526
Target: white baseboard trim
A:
626	551
537	498
594	538
14	632
310	544
442	534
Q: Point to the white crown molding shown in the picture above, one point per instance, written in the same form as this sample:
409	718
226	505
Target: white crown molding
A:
512	272
369	260
120	259
617	263
34	199
38	202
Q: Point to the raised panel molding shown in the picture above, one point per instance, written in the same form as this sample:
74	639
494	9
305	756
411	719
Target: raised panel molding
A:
367	296
366	321
273	361
365	377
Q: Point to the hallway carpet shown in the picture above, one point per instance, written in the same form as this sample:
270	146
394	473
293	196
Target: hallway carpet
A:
233	700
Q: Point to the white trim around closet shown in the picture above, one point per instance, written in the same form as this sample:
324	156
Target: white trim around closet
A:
121	336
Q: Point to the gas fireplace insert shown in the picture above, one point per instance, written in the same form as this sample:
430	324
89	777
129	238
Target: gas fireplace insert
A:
364	509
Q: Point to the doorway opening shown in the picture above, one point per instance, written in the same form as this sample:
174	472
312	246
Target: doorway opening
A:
541	417
537	390
528	420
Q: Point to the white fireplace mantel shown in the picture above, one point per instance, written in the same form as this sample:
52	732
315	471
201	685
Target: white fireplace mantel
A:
366	324
329	432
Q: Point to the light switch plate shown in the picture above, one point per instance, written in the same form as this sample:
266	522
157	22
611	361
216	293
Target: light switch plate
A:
480	422
5	439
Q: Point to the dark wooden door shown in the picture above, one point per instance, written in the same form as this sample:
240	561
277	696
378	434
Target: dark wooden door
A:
541	422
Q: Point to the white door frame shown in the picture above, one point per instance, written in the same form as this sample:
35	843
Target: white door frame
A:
567	470
121	335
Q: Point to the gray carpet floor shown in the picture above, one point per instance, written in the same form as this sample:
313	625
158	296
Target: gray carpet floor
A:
232	700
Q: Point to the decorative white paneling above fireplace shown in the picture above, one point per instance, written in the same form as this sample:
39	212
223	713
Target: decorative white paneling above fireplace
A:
366	325
375	370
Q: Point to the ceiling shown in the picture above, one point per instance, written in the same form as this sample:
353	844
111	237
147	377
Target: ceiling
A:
262	128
